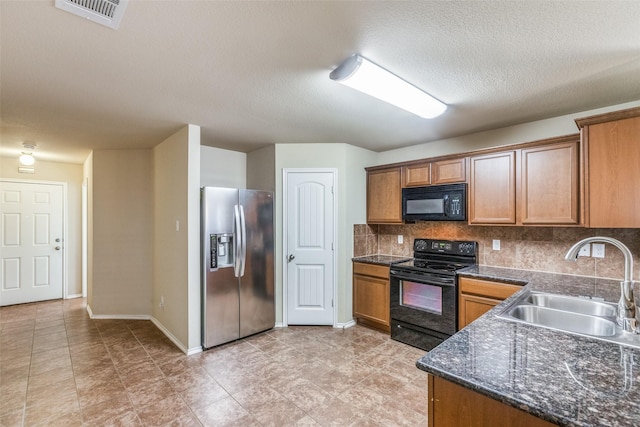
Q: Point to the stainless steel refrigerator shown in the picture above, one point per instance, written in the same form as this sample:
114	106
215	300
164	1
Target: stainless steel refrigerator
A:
238	297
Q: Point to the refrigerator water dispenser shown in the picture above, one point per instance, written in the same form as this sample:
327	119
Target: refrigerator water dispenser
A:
221	250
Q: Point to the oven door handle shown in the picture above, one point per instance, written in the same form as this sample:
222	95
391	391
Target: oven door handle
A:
418	279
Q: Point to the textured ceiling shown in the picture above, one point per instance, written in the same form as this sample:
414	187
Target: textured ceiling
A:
256	73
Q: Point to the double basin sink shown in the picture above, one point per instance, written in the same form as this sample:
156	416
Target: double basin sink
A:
581	316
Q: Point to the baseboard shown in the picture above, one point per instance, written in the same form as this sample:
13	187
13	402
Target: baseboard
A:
279	325
176	341
348	324
156	322
116	316
120	316
74	296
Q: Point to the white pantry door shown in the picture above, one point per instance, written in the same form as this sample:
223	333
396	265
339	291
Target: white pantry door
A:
31	267
309	233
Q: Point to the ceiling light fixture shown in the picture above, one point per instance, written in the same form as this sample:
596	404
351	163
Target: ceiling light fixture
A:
361	74
26	158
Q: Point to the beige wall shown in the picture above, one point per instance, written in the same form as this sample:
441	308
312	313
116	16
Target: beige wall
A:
176	249
222	168
261	174
533	131
71	174
122	218
349	162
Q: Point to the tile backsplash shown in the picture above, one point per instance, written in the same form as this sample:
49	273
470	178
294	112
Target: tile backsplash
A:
527	248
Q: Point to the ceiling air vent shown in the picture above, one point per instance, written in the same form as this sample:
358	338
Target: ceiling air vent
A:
105	12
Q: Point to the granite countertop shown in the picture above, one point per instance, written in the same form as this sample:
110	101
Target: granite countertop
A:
380	259
566	379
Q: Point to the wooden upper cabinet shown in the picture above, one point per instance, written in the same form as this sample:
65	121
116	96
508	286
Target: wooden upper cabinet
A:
550	175
612	159
416	175
384	196
433	173
449	171
536	183
492	188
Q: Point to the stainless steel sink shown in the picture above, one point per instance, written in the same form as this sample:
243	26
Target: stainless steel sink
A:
572	304
574	315
564	320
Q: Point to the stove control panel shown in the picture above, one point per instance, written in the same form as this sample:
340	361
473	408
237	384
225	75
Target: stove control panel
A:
453	247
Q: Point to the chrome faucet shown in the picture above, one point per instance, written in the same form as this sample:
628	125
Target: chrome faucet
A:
626	317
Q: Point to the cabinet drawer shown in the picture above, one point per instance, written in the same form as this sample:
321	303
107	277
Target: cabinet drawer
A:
487	289
381	271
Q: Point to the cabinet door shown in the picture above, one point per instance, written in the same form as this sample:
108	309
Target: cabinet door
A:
550	184
371	300
384	196
451	405
449	171
417	175
614	173
492	189
472	307
477	296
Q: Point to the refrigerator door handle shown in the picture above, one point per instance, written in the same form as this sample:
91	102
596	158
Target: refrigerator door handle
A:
237	233
243	242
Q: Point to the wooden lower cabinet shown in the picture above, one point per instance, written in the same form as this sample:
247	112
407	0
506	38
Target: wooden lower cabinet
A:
476	297
371	295
451	405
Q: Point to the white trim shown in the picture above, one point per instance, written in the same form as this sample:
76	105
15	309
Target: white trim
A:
176	341
84	235
156	322
65	225
279	325
334	172
349	324
120	317
71	296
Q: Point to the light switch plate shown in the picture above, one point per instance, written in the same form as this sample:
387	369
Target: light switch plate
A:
496	245
400	239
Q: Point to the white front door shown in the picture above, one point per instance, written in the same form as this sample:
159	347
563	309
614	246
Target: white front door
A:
309	238
31	265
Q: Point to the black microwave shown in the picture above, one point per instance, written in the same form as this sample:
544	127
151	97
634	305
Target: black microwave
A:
435	203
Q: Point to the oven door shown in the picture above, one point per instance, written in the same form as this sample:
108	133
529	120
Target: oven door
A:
423	302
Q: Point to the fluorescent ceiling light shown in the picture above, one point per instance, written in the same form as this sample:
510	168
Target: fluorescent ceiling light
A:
361	74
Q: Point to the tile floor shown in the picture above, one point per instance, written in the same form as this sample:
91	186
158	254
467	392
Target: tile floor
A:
60	368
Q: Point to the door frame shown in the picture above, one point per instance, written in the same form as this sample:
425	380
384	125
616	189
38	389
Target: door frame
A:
285	231
65	225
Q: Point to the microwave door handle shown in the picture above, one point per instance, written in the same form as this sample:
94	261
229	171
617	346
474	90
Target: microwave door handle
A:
446	205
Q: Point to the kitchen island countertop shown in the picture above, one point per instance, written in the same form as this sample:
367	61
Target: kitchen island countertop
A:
566	379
